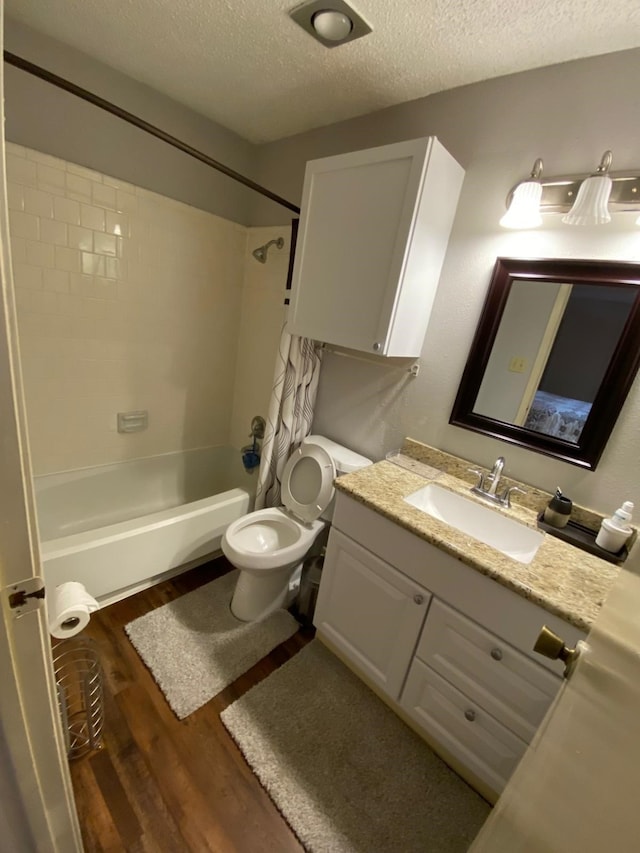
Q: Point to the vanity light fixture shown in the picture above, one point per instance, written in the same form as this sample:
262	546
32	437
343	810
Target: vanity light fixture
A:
524	208
591	204
582	199
331	22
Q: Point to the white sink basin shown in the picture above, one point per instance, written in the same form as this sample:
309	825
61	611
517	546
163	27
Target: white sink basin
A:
513	539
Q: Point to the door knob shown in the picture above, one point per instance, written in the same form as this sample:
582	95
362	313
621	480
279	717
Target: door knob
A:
552	646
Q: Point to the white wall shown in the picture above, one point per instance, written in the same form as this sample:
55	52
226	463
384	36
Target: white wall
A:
566	114
126	300
522	328
261	319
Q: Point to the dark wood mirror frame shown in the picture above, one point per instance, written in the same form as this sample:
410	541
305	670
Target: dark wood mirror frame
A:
616	382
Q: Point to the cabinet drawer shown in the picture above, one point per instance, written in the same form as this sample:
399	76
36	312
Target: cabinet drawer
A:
510	686
464	729
370	612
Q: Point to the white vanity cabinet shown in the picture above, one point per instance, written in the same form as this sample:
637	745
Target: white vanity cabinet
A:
373	233
464	672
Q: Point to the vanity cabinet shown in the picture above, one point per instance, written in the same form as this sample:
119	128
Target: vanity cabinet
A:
373	233
447	647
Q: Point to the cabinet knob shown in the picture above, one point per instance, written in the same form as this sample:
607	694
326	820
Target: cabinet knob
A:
419	599
470	714
377	346
496	654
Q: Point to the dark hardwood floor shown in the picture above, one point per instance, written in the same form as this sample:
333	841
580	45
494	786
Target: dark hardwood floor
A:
160	784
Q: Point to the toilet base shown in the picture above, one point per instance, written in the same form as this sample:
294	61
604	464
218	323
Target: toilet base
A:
257	596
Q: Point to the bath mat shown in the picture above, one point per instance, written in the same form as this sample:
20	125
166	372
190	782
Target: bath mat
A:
347	774
195	647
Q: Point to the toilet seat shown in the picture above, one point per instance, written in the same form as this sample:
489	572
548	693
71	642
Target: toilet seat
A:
267	539
307	482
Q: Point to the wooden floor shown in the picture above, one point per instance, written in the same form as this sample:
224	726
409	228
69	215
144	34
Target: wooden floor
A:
160	784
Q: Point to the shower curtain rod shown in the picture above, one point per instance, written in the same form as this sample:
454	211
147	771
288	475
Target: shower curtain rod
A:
141	124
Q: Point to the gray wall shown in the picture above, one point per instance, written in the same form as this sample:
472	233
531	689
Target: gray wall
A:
48	119
568	115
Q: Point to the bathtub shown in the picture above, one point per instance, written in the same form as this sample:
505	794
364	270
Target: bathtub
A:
120	528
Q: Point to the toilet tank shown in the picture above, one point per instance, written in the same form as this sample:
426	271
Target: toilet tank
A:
344	459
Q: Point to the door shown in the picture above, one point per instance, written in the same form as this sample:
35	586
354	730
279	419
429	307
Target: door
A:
544	350
577	786
37	812
370	612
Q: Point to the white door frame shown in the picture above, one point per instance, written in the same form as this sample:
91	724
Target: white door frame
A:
34	775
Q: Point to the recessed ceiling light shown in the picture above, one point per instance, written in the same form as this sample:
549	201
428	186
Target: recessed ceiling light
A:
332	25
331	22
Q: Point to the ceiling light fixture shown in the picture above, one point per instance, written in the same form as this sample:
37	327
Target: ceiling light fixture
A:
331	22
582	199
332	25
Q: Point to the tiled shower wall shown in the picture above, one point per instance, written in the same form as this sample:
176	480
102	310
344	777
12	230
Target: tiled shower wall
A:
126	300
262	316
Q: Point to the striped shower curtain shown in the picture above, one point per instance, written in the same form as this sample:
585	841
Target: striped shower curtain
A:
290	411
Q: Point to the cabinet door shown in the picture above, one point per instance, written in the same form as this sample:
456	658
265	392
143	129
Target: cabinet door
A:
370	612
373	233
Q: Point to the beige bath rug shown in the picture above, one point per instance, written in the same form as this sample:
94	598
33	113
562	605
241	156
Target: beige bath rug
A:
347	774
195	647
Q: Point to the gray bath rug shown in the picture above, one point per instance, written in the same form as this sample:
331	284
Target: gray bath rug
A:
347	774
195	647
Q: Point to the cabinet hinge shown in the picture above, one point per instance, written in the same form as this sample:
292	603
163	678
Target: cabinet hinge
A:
25	596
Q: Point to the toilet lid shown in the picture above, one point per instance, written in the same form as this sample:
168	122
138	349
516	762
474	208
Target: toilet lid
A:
307	482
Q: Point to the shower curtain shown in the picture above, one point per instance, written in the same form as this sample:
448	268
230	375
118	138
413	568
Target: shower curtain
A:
290	411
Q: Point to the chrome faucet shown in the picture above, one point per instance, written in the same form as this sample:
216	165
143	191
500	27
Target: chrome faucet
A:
494	475
487	485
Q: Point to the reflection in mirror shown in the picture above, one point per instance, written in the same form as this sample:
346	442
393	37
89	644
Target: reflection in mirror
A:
550	355
554	355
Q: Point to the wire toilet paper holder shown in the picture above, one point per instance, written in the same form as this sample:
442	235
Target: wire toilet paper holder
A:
80	694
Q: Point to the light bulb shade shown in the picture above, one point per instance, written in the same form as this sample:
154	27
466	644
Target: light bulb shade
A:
590	206
524	210
332	25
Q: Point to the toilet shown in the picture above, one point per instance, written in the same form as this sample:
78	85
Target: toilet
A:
269	545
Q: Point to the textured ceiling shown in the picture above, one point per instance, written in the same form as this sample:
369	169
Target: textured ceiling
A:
246	65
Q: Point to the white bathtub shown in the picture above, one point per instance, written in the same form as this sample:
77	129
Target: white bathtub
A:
120	528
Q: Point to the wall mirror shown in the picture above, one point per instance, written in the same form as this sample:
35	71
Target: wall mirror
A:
555	353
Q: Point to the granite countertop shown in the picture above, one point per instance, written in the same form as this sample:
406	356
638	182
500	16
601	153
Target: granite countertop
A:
561	578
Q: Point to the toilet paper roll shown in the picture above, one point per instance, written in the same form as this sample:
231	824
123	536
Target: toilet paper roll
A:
70	609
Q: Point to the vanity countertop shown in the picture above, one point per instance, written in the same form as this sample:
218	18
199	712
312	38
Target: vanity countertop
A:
562	579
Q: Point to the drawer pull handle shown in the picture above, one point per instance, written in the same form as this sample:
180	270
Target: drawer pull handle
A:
470	715
496	654
419	599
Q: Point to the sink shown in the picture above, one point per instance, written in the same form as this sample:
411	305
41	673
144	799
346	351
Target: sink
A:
512	538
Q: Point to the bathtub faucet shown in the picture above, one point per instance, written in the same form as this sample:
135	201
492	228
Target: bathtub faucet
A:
251	452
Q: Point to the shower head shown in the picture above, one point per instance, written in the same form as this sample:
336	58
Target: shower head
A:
260	254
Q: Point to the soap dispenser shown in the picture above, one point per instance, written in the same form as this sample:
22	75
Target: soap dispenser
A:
559	509
615	531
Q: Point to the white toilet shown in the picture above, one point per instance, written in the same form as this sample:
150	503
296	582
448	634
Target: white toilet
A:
268	545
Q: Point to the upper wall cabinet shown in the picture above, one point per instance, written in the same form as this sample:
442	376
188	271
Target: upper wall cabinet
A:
373	233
